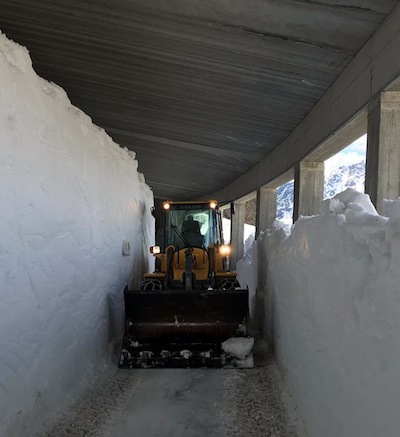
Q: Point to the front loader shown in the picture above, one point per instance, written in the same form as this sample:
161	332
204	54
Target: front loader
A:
191	303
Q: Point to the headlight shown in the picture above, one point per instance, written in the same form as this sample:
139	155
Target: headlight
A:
166	205
213	204
155	250
225	250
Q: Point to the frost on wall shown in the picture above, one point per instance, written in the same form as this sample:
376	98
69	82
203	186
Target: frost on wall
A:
332	311
69	197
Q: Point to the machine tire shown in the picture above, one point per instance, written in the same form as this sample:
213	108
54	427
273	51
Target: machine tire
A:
229	284
151	285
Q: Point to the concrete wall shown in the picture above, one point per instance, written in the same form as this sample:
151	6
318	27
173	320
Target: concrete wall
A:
332	310
69	197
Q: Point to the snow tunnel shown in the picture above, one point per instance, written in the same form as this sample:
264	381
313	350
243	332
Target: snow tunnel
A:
286	116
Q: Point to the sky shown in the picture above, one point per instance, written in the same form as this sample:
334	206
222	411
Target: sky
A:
352	154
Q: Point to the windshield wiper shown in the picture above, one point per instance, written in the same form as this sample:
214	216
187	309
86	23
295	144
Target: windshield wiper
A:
180	235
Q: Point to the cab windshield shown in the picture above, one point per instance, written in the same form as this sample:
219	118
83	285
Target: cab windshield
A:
190	225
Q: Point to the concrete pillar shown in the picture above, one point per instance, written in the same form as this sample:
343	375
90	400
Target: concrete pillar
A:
266	215
382	178
308	188
237	234
266	209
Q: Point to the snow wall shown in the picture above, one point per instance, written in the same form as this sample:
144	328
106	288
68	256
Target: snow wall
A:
69	198
331	290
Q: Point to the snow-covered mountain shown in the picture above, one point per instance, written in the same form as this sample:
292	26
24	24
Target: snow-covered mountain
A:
338	179
346	176
285	197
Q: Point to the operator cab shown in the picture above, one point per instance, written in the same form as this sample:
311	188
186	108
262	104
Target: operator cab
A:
191	235
192	225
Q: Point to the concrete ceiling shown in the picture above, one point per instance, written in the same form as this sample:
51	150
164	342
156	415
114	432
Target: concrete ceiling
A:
201	90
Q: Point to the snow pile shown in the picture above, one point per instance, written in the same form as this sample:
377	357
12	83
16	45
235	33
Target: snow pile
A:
338	177
249	241
70	198
392	208
332	311
238	347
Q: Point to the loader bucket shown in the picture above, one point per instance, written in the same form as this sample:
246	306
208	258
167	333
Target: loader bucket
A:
177	328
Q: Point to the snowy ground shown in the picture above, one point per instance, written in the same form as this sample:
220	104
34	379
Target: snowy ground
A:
182	402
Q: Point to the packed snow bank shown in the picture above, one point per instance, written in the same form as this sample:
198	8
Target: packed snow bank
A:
247	274
69	197
332	312
250	274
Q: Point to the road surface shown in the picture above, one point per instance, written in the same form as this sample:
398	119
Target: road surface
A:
182	403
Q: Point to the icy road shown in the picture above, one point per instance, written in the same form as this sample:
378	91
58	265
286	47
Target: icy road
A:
182	403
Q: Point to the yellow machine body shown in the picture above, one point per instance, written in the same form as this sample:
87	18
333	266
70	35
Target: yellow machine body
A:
191	302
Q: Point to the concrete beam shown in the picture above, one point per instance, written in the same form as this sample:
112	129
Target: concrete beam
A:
308	188
374	69
382	179
347	134
266	209
281	179
237	234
